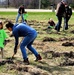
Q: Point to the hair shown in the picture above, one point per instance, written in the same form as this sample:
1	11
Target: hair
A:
65	1
9	24
21	5
1	24
25	12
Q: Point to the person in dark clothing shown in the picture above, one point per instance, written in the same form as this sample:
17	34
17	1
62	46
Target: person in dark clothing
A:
67	15
60	13
21	11
29	34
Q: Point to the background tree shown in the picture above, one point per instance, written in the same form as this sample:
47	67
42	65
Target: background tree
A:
16	3
45	3
32	4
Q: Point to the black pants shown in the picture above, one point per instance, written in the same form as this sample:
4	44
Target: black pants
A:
58	25
66	22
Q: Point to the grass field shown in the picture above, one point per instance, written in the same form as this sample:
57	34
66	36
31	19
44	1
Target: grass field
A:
42	17
36	15
50	63
39	16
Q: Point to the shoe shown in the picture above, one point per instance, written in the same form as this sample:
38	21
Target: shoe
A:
66	28
26	61
38	58
55	28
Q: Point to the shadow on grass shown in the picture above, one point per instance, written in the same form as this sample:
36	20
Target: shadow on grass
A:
44	66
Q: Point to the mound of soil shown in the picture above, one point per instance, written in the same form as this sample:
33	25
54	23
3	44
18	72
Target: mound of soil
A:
63	39
48	39
67	44
72	32
9	61
59	54
69	55
68	62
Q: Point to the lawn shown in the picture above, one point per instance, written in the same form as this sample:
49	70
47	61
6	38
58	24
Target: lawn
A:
48	43
39	18
36	15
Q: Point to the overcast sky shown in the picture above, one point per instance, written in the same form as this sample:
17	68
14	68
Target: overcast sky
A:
2	0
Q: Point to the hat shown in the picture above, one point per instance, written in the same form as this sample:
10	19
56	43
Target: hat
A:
64	1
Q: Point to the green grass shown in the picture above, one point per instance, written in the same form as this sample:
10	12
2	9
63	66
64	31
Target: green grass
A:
8	13
32	15
48	64
42	17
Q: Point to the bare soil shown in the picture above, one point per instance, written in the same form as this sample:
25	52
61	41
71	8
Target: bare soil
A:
57	57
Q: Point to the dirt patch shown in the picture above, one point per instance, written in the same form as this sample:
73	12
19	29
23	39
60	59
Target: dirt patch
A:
53	54
68	44
8	61
72	32
67	62
48	39
63	39
59	54
45	39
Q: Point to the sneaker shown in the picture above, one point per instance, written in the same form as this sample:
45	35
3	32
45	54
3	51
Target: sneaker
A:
26	61
38	58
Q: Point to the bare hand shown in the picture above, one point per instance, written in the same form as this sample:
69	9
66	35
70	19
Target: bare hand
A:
13	55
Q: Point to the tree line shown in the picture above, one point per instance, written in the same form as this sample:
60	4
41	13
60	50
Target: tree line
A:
32	4
29	4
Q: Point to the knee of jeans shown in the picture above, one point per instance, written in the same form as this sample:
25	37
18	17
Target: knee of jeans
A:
22	46
28	46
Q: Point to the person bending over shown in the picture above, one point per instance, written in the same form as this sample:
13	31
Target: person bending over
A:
29	34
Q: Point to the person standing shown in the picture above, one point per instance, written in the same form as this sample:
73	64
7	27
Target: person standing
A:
60	11
25	16
29	34
3	37
68	15
21	11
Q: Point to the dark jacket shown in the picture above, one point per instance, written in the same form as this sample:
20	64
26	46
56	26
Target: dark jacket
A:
60	9
68	11
21	10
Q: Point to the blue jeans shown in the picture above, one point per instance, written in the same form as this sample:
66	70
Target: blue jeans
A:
27	42
19	16
58	26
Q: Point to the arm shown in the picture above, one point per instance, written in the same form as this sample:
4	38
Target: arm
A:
57	9
20	11
15	33
70	11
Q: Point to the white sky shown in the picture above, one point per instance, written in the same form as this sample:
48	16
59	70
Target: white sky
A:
2	0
